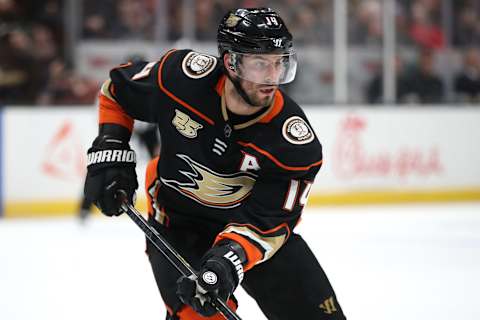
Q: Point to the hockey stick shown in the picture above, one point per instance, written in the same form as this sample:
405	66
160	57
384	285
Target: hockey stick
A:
170	253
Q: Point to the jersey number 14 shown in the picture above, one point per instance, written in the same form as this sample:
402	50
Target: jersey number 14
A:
293	193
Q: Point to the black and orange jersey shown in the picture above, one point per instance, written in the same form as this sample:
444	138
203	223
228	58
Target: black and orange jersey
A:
252	179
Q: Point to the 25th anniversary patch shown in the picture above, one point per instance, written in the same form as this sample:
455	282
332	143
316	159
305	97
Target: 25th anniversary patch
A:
297	131
197	65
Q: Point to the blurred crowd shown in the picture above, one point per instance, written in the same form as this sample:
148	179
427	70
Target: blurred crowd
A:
35	68
419	22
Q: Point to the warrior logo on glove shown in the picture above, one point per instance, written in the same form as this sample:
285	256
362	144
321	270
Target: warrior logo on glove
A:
111	156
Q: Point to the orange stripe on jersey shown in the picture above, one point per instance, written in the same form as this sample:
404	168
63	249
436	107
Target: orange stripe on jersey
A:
150	177
277	107
187	313
276	161
280	226
110	111
220	85
124	65
174	97
151	172
253	253
152	187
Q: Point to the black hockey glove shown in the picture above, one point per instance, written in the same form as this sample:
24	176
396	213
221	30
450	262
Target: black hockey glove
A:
220	274
110	167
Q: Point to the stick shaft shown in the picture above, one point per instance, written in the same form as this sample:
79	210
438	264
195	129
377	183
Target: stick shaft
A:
172	255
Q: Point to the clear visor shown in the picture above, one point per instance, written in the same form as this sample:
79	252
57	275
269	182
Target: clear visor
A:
270	69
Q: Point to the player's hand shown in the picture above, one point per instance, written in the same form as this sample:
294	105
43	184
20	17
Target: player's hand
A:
216	278
110	168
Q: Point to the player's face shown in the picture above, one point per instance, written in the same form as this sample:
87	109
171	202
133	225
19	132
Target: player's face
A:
260	75
261	95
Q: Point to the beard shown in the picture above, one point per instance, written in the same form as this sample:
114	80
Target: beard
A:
258	99
250	92
260	102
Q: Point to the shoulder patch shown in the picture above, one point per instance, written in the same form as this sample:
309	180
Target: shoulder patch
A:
198	65
297	131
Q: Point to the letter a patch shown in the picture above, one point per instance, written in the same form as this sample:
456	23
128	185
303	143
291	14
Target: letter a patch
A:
249	162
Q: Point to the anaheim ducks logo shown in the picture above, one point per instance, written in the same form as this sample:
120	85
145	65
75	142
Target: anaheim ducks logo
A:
213	189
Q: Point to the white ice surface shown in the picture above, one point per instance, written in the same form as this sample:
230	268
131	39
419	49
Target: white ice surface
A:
385	263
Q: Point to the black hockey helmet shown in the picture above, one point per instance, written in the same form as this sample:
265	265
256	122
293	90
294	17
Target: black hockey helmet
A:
253	30
247	34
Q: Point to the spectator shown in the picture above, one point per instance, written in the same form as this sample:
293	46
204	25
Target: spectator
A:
423	30
66	88
19	75
424	85
133	21
9	11
95	26
374	90
44	44
467	27
50	14
206	26
44	50
174	21
467	82
97	15
310	27
366	25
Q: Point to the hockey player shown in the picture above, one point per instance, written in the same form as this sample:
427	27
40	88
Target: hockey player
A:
237	162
